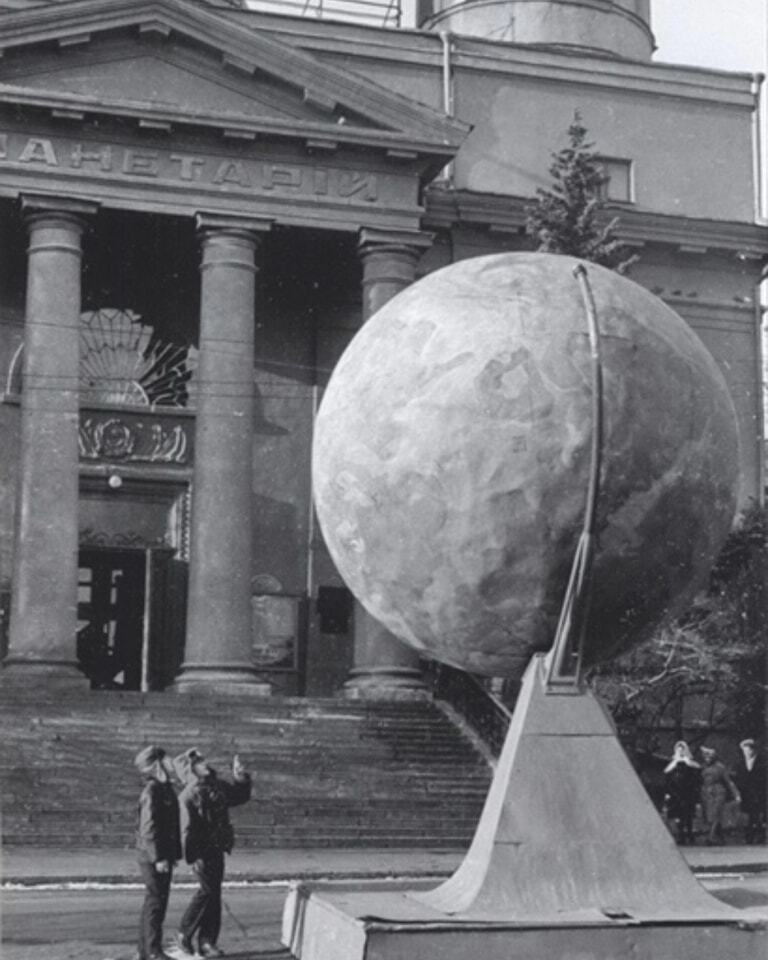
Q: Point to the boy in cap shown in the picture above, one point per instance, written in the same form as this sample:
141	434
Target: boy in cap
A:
158	844
206	836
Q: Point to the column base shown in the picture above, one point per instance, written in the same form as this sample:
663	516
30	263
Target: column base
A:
240	681
385	683
43	674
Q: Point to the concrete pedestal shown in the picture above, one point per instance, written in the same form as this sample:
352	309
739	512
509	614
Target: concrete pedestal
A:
42	645
570	861
219	621
332	923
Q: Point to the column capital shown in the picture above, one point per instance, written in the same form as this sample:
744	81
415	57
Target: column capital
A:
373	239
215	223
40	204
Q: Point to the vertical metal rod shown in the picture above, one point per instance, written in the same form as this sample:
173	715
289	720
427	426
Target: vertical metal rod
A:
571	627
145	623
310	583
597	400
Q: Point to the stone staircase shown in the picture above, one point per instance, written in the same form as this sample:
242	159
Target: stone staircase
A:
327	773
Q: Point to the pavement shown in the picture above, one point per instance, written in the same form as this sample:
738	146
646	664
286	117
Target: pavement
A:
83	904
37	866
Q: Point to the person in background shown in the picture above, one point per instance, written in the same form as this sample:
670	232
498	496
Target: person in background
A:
716	784
683	785
158	845
751	779
206	837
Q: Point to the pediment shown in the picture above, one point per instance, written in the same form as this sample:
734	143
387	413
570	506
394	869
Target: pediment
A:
180	61
170	79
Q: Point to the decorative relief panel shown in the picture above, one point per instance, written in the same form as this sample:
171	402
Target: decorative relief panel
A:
140	513
123	362
128	438
90	537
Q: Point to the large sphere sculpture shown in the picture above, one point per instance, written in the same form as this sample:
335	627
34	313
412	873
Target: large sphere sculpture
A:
452	454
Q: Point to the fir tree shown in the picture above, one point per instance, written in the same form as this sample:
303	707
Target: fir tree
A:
565	219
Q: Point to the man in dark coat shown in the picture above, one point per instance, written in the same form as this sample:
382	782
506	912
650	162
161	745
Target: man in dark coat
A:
158	845
751	778
206	837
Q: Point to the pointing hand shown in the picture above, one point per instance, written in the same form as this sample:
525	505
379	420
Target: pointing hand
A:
238	770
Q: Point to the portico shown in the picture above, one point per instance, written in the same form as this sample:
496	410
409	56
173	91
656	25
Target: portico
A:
196	134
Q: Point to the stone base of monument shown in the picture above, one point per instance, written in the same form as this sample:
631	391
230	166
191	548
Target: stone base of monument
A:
570	861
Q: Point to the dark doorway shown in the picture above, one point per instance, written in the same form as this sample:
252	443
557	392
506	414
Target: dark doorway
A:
130	608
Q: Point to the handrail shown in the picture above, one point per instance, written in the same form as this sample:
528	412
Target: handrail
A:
488	717
383	13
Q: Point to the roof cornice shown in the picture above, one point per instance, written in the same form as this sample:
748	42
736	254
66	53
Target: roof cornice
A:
507	214
514	59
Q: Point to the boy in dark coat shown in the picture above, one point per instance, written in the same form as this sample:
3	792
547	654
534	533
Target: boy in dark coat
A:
206	836
158	844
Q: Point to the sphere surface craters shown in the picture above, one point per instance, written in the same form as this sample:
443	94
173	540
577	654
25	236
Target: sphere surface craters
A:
452	450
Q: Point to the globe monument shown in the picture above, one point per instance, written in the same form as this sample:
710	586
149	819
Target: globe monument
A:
465	433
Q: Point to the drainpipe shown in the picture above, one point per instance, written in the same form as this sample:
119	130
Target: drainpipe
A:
761	333
757	139
447	43
760	343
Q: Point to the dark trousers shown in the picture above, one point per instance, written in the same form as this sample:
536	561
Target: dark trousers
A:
685	826
755	829
203	915
158	888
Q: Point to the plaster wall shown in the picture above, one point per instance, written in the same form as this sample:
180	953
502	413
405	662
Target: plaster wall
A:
687	131
731	341
717	296
701	276
680	166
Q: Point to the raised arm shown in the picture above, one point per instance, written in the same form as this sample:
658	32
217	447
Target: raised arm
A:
239	791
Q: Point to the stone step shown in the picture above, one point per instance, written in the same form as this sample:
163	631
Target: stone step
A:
326	772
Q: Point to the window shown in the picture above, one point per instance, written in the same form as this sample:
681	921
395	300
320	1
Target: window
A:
84	585
618	183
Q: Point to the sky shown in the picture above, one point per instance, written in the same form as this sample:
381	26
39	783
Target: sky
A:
724	34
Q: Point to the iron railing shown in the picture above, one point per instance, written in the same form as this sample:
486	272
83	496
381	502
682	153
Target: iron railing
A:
379	13
480	708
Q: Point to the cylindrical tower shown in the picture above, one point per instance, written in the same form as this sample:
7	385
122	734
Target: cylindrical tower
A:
618	28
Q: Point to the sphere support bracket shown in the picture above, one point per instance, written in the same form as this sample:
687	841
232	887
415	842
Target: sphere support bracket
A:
566	656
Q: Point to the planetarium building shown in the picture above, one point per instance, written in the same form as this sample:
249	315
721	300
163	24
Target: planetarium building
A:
202	202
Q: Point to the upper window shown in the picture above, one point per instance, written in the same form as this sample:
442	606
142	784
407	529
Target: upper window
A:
618	183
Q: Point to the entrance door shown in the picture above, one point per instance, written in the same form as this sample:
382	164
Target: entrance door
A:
131	614
110	612
167	610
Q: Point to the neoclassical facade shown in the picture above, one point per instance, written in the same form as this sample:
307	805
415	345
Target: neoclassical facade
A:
200	204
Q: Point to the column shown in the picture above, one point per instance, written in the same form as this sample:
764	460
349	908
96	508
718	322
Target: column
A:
219	618
384	667
42	643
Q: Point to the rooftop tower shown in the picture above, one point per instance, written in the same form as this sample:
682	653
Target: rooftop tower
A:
617	28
